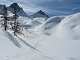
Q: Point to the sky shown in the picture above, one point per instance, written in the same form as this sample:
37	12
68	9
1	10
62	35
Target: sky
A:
51	7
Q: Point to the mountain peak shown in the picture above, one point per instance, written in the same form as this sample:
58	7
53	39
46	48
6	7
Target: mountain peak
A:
14	7
40	13
14	4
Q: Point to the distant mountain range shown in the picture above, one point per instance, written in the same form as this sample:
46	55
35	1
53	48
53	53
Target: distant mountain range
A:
20	12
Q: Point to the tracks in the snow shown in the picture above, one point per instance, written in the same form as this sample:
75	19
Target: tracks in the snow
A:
15	41
27	44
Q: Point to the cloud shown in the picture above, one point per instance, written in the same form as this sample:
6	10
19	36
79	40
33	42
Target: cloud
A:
52	7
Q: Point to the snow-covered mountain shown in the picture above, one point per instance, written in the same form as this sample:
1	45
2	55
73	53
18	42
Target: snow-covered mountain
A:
42	38
62	44
15	7
40	14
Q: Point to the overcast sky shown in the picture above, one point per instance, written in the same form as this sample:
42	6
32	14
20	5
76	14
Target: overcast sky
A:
52	7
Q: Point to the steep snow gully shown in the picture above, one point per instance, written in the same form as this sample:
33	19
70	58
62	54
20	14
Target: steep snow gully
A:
62	43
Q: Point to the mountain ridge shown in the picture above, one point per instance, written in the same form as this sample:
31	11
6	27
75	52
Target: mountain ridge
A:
14	7
40	13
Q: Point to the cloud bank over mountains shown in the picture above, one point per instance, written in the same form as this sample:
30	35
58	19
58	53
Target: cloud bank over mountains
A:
58	7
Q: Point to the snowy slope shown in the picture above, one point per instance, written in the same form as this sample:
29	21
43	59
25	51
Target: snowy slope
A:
51	23
32	24
72	24
62	44
12	48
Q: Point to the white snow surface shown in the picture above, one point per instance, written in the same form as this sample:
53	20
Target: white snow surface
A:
62	44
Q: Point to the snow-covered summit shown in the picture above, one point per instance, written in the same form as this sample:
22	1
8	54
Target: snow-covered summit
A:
19	11
40	14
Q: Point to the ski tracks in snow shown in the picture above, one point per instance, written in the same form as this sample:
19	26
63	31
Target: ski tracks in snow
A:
13	40
16	41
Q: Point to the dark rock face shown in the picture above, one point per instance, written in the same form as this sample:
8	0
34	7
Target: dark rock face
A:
40	14
3	10
14	8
